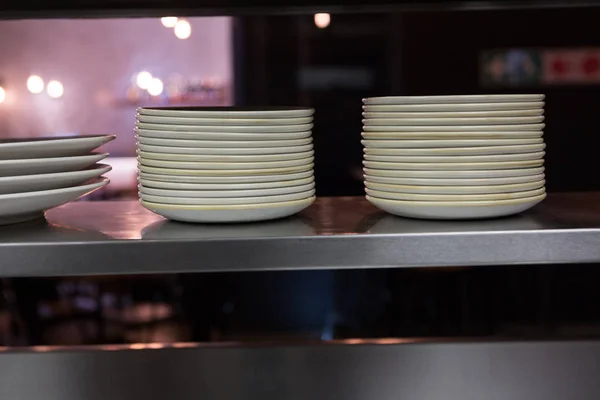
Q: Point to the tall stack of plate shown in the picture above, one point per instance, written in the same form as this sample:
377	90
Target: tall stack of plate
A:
225	164
454	157
43	173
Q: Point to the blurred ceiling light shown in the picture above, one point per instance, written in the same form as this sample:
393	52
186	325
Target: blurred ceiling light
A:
35	84
168	22
2	95
55	89
183	29
156	87
143	79
322	20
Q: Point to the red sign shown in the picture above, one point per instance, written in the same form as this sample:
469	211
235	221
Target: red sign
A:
571	66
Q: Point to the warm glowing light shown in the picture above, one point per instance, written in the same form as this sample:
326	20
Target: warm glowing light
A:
322	20
2	95
143	79
168	22
55	89
183	29
35	84
155	87
184	345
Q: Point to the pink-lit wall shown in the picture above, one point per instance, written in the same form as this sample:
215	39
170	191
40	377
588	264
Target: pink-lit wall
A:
96	60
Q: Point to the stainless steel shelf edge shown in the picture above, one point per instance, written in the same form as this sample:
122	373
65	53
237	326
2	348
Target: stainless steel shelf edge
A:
302	253
449	371
95	238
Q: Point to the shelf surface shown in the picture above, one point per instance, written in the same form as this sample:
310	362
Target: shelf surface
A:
449	371
97	238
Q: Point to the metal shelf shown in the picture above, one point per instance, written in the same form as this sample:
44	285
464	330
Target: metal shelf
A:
451	371
160	8
95	238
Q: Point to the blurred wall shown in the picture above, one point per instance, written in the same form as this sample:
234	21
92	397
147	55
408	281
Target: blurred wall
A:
440	56
96	60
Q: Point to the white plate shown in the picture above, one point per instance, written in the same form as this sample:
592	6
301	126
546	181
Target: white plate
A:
418	189
151	183
450	135
457	159
12	149
235	213
218	166
453	121
455	107
48	165
224	158
457	151
220	152
221	135
232	129
494	173
453	197
449	143
225	201
456	210
230	144
477	98
225	173
201	121
450	166
228	112
455	181
226	193
279	178
32	183
455	114
454	128
25	206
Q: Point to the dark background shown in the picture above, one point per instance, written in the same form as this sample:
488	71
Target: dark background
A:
409	53
418	53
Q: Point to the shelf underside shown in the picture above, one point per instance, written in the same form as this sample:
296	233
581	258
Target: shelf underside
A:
160	8
96	238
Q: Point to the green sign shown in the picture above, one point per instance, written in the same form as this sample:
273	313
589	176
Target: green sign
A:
517	67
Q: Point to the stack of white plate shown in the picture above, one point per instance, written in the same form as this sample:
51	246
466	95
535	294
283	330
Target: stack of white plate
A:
225	164
454	157
39	174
